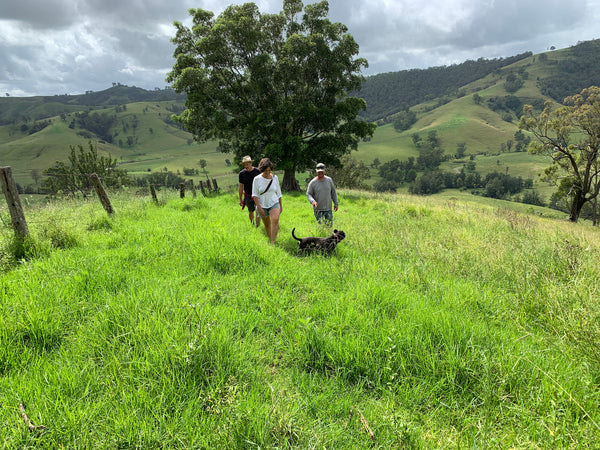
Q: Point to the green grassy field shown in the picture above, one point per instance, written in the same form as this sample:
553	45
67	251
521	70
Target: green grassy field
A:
437	323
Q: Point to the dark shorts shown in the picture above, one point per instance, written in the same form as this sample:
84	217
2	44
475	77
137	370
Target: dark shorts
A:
324	217
249	203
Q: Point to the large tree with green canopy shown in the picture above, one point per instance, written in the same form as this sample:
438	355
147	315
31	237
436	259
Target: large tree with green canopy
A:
272	85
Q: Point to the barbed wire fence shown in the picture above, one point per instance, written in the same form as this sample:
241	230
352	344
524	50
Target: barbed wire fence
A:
19	224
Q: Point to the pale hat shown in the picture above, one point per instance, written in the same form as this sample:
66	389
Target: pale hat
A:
246	159
320	167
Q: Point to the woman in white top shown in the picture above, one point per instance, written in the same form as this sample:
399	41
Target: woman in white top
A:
266	193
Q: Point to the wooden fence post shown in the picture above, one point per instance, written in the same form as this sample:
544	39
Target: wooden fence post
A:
202	188
101	193
215	185
14	203
153	193
193	188
181	190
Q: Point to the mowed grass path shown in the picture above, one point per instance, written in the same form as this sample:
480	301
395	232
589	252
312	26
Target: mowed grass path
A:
437	323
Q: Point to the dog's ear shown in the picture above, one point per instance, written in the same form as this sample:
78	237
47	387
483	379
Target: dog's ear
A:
335	231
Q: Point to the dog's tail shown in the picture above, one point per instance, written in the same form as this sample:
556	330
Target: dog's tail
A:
294	236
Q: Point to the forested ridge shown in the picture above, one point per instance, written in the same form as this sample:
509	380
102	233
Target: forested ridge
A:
578	71
388	93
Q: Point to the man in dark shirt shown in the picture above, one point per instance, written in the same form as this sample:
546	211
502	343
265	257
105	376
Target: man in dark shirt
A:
246	176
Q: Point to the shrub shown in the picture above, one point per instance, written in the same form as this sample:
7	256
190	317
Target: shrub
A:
532	198
385	186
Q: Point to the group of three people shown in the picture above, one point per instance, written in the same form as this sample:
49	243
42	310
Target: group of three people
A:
260	191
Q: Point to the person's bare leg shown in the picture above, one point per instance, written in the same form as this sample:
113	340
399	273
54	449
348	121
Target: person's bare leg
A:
274	218
267	222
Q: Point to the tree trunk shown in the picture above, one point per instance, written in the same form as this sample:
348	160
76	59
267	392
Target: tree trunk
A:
289	181
578	202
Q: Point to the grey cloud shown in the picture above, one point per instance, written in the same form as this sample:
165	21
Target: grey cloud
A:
40	15
152	51
87	44
510	21
404	37
135	14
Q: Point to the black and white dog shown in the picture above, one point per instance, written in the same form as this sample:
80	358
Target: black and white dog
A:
325	245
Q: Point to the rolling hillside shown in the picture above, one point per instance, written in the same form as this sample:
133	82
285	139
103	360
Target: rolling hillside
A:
482	113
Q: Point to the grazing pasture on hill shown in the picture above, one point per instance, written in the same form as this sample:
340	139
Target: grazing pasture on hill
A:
439	322
471	103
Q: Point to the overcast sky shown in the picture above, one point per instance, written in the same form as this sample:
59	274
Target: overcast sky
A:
50	47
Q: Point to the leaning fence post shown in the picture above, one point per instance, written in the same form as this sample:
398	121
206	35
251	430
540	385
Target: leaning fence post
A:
14	202
193	188
101	193
215	184
202	188
153	192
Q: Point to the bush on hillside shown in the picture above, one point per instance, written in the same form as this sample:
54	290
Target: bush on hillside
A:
398	172
532	197
351	174
404	120
74	176
427	184
385	186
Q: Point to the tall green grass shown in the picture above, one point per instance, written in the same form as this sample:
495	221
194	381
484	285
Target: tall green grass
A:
437	323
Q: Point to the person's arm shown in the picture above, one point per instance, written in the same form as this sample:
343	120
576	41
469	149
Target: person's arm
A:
279	196
255	193
258	207
241	192
334	196
310	193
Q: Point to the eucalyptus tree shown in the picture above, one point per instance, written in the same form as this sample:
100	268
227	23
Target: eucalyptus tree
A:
570	137
271	85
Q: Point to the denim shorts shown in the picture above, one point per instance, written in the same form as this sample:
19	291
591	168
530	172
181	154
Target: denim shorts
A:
268	210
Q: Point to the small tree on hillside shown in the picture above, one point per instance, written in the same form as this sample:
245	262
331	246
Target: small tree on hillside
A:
570	136
36	175
404	120
74	176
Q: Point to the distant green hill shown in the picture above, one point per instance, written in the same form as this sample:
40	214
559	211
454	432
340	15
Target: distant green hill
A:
558	74
477	103
484	113
26	109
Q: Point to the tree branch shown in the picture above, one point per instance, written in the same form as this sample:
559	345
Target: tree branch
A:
28	421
